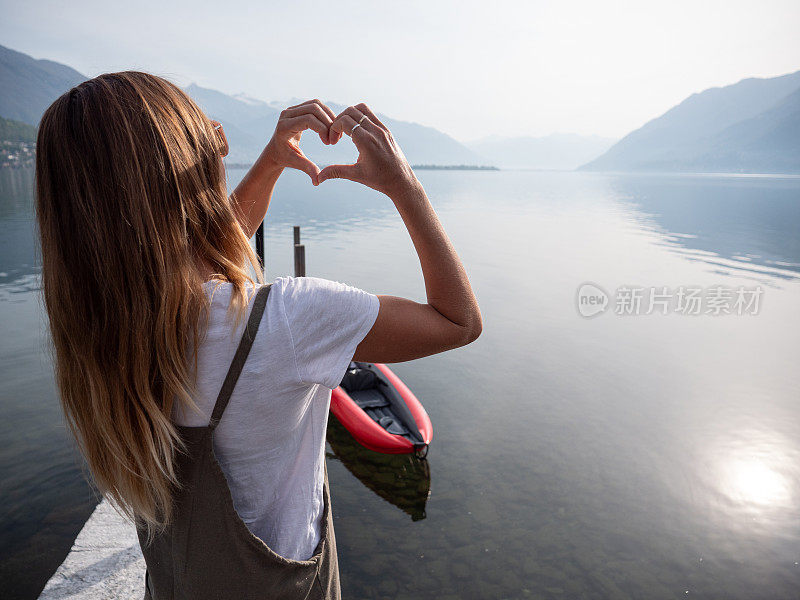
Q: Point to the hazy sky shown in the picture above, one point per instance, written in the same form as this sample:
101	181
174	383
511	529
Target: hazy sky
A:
469	69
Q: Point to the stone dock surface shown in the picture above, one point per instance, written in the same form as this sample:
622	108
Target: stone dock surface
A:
105	561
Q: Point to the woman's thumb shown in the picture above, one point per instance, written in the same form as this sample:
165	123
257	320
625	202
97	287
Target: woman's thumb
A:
339	172
307	166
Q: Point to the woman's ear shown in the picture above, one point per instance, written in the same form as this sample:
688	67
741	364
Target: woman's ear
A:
222	138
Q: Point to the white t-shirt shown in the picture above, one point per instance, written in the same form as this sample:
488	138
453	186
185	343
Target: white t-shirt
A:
270	441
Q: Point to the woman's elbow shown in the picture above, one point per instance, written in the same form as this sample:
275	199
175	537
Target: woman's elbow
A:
473	330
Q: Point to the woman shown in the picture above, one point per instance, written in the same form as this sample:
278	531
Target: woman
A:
198	396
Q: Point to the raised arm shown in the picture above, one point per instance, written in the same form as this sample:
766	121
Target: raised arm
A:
253	194
405	329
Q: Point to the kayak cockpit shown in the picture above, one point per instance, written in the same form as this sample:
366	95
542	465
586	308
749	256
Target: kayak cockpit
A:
381	401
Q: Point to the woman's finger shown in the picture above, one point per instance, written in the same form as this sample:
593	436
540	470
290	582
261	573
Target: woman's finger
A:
311	109
360	118
372	117
307	102
303	122
327	109
301	162
351	172
319	103
344	123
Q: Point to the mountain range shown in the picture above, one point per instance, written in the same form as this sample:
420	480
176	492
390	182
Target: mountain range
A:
28	86
249	123
752	126
17	131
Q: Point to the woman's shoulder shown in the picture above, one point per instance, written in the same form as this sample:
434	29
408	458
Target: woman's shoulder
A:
302	286
295	294
319	292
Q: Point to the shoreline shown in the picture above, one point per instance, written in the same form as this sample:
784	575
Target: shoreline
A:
732	174
239	166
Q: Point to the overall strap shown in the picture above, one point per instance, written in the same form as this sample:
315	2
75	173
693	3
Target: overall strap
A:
237	364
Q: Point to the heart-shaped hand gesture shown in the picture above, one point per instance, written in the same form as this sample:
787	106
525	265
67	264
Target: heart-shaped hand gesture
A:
381	163
284	147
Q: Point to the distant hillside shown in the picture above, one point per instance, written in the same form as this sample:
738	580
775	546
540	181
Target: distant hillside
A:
249	123
750	126
557	151
767	143
28	86
16	131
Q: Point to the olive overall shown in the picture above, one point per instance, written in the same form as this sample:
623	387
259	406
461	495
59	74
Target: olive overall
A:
207	552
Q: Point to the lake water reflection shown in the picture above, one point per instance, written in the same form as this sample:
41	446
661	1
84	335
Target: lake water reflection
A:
615	457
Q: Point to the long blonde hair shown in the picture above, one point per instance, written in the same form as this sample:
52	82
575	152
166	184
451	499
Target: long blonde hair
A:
130	200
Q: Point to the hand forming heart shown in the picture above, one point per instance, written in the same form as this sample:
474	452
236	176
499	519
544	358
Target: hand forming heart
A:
381	164
284	147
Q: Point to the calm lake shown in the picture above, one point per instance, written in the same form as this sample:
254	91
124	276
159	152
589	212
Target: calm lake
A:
627	455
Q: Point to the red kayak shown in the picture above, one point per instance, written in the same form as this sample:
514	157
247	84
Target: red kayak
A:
380	412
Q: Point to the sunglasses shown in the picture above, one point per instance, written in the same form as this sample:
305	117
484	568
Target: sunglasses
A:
223	140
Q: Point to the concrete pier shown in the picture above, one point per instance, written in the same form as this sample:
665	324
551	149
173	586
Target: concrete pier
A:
105	561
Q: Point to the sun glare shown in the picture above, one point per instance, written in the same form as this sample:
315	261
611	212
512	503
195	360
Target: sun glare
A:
754	482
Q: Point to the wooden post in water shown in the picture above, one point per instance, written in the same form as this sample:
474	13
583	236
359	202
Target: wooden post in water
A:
299	255
260	243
